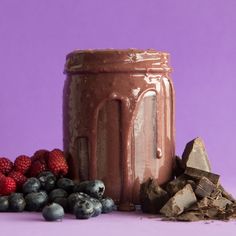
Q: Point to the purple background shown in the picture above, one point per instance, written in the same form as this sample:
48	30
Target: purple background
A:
35	36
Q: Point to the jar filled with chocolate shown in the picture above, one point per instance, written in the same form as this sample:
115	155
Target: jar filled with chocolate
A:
118	117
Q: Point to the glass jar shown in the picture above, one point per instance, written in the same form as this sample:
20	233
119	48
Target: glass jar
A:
118	117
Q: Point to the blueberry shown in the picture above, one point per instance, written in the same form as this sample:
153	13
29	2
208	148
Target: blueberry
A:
47	180
66	184
56	193
94	188
4	203
81	187
53	212
63	202
17	202
97	205
46	174
83	209
31	185
107	205
36	201
74	198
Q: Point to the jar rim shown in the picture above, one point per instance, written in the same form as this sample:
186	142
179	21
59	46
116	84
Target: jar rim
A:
117	60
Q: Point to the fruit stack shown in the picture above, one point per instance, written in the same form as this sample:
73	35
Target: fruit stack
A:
39	183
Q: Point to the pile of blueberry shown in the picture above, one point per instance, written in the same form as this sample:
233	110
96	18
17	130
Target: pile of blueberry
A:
55	197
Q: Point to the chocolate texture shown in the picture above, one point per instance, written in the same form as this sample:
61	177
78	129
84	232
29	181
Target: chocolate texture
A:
118	115
196	194
152	196
182	200
195	155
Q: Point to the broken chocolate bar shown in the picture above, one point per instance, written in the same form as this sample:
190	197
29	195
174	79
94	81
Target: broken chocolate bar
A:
179	202
195	155
198	174
195	194
204	188
152	196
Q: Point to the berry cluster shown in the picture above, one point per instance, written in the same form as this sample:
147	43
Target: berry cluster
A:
14	175
39	184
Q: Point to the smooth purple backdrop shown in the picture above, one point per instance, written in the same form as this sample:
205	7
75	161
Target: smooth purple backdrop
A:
35	36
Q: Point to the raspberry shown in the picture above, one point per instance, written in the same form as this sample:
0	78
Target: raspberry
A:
40	155
2	175
7	186
22	164
36	168
18	177
5	165
57	162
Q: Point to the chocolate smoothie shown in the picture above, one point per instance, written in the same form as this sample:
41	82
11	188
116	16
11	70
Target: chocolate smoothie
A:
119	119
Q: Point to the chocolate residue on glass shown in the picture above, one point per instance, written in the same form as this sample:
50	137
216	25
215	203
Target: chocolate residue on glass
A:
118	116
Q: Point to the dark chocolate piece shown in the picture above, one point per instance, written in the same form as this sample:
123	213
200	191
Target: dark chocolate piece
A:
195	155
226	194
175	185
221	203
213	203
179	202
178	166
216	193
198	174
190	216
229	213
152	196
204	203
211	212
204	187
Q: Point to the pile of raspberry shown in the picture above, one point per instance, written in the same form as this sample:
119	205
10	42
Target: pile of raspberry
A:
14	175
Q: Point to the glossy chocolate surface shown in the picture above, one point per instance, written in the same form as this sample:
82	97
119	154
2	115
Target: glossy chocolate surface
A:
118	116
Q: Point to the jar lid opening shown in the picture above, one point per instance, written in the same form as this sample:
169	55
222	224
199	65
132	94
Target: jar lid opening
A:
117	61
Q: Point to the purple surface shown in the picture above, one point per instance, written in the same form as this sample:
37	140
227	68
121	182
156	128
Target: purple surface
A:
116	223
35	36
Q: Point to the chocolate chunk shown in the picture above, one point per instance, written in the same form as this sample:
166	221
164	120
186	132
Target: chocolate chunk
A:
204	203
221	203
192	183
175	185
216	193
204	187
179	202
226	194
178	166
193	180
211	212
190	216
198	174
152	196
228	213
195	155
